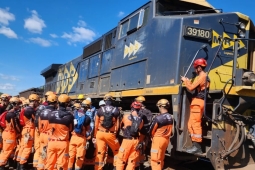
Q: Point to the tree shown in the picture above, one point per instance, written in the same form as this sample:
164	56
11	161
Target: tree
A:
1	93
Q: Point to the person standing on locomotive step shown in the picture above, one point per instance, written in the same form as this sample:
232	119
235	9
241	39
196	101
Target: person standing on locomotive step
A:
160	131
11	131
44	129
77	146
61	124
27	135
106	127
197	104
132	139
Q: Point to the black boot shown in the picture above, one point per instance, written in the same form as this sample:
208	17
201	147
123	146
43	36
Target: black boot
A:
18	166
196	148
22	167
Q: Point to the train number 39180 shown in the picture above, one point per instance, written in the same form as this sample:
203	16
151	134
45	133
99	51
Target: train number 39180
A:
197	32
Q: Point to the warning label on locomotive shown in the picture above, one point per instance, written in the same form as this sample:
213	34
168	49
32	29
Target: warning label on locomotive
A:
197	32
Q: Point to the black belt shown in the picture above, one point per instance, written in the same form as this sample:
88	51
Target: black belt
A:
107	131
130	138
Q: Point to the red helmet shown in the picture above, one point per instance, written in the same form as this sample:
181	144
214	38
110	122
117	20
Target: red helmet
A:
200	62
136	105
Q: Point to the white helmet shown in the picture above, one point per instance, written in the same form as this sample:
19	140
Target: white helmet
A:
89	99
101	103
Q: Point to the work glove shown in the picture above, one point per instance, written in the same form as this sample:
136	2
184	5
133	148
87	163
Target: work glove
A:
75	122
139	146
87	145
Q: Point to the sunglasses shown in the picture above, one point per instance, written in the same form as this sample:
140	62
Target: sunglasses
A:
15	104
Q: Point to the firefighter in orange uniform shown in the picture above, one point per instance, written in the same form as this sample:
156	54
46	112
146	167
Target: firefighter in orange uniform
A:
77	147
106	127
37	134
3	107
61	124
160	132
45	103
28	131
197	104
44	129
132	140
10	133
146	116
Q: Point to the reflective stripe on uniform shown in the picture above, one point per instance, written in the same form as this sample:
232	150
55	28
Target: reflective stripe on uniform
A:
77	168
40	165
35	160
154	150
66	155
121	149
70	168
115	157
99	163
23	158
9	141
2	161
197	136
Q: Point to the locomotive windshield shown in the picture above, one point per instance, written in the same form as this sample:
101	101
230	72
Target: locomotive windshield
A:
173	7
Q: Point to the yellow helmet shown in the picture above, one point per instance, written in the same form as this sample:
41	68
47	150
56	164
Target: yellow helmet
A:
140	99
22	99
48	93
25	101
86	102
81	96
108	96
77	105
163	102
33	97
63	98
52	98
14	100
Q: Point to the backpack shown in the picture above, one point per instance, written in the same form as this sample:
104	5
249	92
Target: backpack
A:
80	122
134	128
108	115
21	117
2	119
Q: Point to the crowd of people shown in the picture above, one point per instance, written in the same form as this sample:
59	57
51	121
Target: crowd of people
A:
64	134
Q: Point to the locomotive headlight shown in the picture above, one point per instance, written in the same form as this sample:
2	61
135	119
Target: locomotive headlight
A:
241	34
242	25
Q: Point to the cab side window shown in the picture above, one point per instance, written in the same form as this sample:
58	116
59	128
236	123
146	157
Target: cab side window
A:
132	24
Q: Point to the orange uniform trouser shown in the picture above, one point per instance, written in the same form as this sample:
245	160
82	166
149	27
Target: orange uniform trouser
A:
57	153
17	150
37	148
9	143
127	154
43	145
194	123
77	150
158	149
26	145
102	140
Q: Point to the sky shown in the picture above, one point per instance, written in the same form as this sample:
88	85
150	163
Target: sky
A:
37	33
